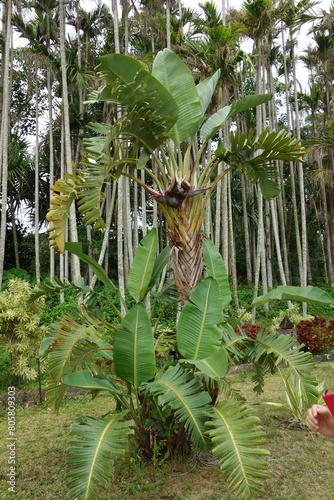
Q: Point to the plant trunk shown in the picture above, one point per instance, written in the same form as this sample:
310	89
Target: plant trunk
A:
5	128
185	242
37	260
75	262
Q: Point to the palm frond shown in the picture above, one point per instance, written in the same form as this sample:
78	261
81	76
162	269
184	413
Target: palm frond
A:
273	350
72	348
90	455
233	342
82	357
184	394
58	214
237	437
90	180
254	156
65	341
50	285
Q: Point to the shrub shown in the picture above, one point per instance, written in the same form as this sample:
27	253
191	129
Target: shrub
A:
19	327
317	334
293	313
250	330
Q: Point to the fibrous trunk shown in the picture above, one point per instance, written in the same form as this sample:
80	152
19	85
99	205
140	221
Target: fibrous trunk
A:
185	242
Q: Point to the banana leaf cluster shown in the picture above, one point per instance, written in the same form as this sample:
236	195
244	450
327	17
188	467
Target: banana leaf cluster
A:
168	401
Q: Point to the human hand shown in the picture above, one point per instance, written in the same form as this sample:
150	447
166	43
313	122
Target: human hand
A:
319	419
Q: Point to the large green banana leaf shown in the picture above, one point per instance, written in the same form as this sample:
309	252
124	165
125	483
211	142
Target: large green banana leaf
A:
216	121
113	66
206	88
184	394
97	441
85	380
134	356
44	347
156	95
214	366
152	109
174	75
197	334
309	294
140	273
237	437
143	126
215	267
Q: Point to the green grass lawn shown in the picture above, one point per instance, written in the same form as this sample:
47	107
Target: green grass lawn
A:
301	465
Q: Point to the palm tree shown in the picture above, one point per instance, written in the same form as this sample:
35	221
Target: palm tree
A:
164	112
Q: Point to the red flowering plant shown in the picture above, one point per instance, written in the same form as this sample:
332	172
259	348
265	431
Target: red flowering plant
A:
317	334
250	330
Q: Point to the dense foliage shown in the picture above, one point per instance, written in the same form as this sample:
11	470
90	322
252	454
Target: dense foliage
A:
316	334
20	330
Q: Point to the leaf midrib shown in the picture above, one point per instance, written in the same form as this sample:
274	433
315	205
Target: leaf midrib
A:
95	457
170	387
235	445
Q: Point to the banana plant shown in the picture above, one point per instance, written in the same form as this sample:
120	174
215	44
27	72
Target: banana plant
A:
165	404
163	117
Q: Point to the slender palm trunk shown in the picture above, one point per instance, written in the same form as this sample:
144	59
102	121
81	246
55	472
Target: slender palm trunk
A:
37	259
51	160
110	213
15	240
326	224
303	278
249	265
168	25
5	127
75	262
233	259
121	182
